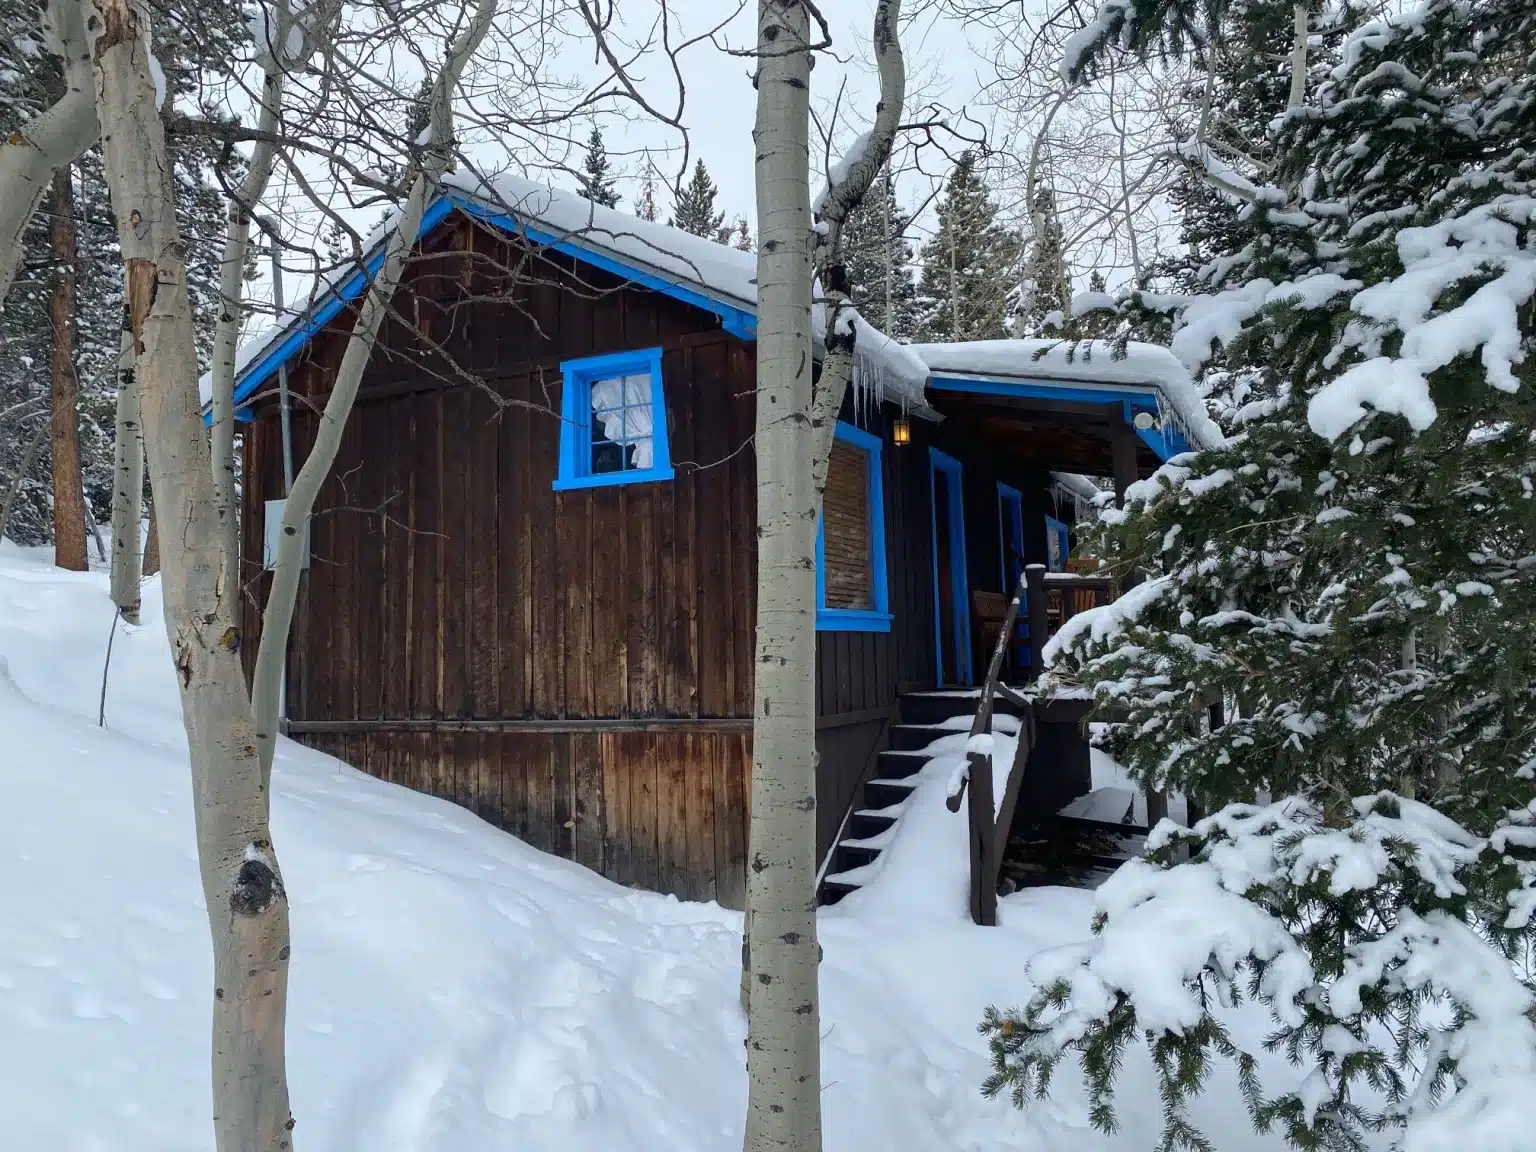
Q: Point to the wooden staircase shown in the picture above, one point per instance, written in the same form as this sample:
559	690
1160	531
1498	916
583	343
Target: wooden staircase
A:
925	717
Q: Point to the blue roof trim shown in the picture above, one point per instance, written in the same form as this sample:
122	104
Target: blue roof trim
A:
737	321
1167	441
257	374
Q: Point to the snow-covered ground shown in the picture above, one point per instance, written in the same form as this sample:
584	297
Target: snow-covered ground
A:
453	989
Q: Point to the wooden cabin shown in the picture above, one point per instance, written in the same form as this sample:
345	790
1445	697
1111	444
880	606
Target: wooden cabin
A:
531	575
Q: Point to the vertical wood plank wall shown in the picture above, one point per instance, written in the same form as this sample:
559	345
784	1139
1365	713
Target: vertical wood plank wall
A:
574	667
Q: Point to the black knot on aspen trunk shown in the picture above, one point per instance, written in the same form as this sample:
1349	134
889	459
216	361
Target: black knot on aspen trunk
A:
256	888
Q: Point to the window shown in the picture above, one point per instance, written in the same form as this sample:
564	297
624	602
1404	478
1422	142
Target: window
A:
613	427
850	539
1056	546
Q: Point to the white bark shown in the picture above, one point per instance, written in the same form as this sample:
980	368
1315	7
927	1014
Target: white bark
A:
242	886
278	618
1298	58
841	200
783	1030
51	140
226	333
127	483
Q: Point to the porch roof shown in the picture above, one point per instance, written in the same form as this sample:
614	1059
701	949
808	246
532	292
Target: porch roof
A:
1064	374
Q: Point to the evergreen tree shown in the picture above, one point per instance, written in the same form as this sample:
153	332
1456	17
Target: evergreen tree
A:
1096	325
645	206
1349	579
741	236
970	264
596	182
694	210
877	255
1047	286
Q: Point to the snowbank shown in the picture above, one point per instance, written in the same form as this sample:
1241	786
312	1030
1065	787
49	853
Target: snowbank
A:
452	988
1083	362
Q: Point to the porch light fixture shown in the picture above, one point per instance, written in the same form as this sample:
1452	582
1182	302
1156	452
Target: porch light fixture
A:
901	431
1144	420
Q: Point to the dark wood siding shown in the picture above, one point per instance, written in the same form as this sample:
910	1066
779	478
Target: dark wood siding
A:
573	666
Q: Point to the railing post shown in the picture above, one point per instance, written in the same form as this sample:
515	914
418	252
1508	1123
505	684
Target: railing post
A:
983	822
1034	580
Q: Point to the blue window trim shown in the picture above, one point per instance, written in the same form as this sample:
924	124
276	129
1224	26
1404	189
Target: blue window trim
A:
1054	525
576	420
959	580
878	618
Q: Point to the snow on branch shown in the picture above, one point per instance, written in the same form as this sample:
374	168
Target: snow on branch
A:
850	177
1484	243
1177	942
1198	157
1113	19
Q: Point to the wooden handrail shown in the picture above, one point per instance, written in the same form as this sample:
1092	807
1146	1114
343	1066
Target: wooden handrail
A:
978	780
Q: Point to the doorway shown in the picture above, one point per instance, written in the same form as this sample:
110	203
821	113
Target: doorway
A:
1010	540
951	595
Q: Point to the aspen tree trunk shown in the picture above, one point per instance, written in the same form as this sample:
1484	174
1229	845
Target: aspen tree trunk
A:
127	483
68	490
226	333
151	534
783	1019
1298	91
53	139
278	617
28	459
242	885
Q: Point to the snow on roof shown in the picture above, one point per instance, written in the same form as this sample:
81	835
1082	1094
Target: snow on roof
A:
712	275
1079	485
1082	362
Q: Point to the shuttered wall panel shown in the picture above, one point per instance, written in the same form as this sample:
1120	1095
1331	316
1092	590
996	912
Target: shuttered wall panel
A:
845	513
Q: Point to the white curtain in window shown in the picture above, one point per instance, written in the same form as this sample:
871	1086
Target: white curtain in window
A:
623	404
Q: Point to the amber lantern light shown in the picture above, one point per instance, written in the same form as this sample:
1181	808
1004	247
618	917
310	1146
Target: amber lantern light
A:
901	431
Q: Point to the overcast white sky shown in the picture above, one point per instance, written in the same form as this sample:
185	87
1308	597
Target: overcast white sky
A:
943	64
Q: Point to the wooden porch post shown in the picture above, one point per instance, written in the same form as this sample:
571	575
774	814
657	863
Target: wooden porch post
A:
1122	448
1034	582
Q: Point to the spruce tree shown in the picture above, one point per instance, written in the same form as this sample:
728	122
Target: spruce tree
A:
1047	287
970	264
1349	579
596	181
741	236
879	261
645	206
694	210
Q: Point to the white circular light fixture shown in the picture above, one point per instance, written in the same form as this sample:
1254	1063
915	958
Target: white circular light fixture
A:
1144	420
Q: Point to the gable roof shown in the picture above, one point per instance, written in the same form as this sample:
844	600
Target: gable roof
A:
689	268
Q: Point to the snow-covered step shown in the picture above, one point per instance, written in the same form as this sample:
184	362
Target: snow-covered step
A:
886	791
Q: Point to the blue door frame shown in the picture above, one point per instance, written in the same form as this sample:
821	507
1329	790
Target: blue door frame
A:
1010	537
959	585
